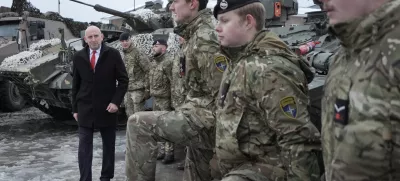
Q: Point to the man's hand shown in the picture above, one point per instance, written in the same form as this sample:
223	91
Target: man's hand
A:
76	116
112	108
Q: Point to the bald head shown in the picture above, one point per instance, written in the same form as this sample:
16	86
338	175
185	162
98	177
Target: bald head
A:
93	37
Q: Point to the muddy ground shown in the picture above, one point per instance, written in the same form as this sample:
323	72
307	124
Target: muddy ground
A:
33	147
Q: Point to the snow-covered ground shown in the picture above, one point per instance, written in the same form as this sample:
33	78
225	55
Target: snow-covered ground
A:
35	148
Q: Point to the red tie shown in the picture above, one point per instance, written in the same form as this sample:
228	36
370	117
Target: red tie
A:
93	59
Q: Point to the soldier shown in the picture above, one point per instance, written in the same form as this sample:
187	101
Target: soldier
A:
191	124
361	103
263	129
137	65
160	89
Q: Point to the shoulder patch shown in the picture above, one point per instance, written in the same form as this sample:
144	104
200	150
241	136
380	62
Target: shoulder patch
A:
221	63
288	106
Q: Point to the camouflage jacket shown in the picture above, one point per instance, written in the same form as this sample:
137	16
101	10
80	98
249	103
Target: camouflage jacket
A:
160	76
361	103
201	75
263	124
178	91
137	65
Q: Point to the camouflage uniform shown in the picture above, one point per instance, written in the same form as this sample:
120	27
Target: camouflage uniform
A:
192	123
160	89
263	129
178	91
137	65
361	103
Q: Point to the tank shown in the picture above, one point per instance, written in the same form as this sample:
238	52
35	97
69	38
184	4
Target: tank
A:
145	24
146	20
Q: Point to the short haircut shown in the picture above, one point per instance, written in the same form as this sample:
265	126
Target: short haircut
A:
256	10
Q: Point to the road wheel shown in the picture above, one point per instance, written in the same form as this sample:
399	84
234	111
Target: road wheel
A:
11	99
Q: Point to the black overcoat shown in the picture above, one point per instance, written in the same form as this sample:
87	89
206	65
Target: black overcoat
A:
93	91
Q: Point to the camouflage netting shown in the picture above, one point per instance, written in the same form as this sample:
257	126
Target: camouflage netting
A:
146	14
144	43
33	53
75	27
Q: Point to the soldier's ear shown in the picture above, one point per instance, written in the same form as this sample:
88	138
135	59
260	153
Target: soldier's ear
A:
194	4
249	22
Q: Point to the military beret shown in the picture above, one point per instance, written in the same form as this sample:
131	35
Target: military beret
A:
224	6
124	36
160	42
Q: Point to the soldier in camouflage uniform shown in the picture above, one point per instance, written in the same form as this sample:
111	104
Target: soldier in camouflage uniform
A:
160	90
137	65
263	129
193	123
361	103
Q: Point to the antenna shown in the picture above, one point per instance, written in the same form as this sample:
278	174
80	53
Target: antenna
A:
59	7
134	5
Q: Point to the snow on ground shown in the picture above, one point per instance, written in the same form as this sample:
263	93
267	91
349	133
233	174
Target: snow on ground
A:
33	147
42	150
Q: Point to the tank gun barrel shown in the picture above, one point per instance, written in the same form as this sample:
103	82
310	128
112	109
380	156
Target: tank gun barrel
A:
132	20
80	2
103	9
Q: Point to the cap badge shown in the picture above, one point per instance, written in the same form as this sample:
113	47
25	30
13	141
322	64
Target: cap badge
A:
223	4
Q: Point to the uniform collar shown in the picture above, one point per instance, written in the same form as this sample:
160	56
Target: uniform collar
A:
129	49
187	29
366	31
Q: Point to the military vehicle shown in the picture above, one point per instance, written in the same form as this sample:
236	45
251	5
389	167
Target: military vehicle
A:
17	33
153	17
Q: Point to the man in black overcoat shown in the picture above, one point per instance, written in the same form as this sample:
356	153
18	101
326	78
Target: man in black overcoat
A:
96	96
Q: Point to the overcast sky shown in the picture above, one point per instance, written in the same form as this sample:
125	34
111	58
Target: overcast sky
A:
80	12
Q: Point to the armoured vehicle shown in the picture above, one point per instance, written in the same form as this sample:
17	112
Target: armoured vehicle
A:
145	24
149	19
17	33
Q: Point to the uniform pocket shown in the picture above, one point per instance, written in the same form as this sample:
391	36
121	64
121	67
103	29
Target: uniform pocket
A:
363	153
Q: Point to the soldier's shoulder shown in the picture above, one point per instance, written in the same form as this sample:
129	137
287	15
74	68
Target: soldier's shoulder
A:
266	62
168	60
265	66
207	35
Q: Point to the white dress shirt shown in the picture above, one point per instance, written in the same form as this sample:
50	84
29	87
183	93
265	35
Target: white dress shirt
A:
97	54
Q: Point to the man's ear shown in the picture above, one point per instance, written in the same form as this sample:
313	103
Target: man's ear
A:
249	21
194	4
